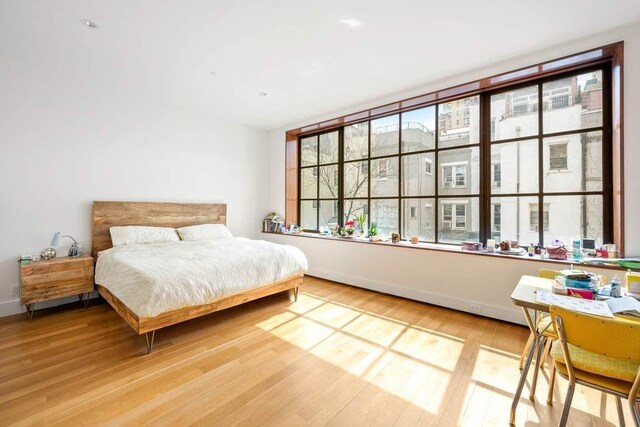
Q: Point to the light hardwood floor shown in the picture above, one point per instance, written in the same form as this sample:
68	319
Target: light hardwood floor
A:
339	356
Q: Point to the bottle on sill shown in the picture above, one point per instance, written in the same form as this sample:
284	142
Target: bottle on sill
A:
577	249
532	250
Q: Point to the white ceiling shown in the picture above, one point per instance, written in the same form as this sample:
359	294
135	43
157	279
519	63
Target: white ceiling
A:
295	50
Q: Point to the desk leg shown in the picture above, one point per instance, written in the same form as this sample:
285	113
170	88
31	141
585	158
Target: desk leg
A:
523	377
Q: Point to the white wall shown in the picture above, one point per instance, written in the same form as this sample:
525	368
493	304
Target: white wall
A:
65	142
438	276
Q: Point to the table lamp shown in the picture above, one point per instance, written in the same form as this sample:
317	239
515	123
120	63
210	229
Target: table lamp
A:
74	250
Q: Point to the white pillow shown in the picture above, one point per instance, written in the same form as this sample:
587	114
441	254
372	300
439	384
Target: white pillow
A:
204	232
131	235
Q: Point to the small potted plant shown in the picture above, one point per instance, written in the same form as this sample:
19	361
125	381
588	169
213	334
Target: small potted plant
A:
348	228
361	218
374	235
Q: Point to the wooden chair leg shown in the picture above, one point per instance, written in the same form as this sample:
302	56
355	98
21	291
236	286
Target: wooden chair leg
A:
552	382
534	381
545	353
526	350
567	405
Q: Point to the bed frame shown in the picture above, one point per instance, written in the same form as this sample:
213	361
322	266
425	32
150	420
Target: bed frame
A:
110	214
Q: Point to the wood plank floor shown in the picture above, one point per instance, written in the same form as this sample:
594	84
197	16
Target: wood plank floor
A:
339	356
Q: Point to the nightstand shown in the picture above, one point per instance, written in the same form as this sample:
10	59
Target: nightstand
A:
55	278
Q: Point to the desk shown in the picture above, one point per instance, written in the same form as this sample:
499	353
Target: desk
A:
524	296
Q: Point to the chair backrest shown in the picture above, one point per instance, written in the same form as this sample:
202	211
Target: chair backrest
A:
601	335
548	274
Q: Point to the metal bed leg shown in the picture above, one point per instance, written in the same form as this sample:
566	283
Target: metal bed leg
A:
148	337
295	294
30	308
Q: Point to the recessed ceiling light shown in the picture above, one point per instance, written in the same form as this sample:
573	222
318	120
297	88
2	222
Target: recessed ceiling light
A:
351	22
263	94
88	23
213	73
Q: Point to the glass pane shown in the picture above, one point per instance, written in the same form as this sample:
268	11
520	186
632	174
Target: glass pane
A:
328	213
418	219
573	102
573	217
356	141
459	220
459	171
384	177
573	162
328	182
459	122
514	167
511	219
384	213
329	148
309	183
418	130
356	179
309	149
418	175
309	214
385	136
353	208
514	114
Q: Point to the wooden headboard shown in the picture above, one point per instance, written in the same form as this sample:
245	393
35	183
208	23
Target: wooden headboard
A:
109	214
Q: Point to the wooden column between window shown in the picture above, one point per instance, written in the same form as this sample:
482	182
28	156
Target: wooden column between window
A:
617	148
291	178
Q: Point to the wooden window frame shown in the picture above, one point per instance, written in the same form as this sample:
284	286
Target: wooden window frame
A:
612	54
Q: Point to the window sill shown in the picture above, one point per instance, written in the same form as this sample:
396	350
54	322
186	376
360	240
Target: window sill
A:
452	249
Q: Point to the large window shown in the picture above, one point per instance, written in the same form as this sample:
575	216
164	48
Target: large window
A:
472	168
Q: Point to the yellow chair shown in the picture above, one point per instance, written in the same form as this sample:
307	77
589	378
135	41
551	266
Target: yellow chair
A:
600	353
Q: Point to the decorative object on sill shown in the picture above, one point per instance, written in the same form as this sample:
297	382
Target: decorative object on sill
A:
273	223
471	246
395	237
557	252
75	249
538	249
514	251
505	245
25	259
348	228
415	240
532	250
48	253
514	244
491	246
336	230
361	218
293	229
577	249
374	233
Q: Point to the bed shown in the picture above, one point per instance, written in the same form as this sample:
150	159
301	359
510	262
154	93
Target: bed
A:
152	286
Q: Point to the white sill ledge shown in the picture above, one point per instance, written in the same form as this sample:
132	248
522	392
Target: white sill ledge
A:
449	248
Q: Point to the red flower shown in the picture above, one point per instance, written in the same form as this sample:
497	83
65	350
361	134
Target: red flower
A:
349	223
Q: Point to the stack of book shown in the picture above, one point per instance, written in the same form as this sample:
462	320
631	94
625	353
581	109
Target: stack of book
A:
272	223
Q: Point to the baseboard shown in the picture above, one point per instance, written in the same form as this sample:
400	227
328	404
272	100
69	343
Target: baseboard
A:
13	306
512	315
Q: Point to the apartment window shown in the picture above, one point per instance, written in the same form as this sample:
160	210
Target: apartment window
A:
534	217
428	164
496	174
418	171
496	221
454	175
454	216
558	157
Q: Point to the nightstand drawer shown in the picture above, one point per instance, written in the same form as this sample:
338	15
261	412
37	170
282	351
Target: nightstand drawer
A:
60	277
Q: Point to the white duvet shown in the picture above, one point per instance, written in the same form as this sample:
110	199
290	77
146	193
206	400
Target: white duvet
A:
151	279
